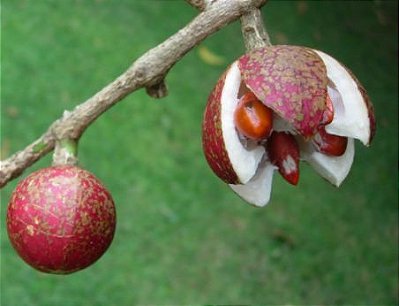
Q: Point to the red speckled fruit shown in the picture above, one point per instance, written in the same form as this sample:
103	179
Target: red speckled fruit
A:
61	219
307	91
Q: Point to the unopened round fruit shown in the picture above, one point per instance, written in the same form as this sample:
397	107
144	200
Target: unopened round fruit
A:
61	219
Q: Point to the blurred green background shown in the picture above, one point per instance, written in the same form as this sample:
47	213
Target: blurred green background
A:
182	236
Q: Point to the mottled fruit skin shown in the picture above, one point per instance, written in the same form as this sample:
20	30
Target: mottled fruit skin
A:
61	219
329	144
283	151
291	80
252	118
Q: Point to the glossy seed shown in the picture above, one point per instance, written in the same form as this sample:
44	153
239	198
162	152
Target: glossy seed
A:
329	144
252	118
283	152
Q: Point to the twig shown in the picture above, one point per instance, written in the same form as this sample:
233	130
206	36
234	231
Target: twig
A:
147	71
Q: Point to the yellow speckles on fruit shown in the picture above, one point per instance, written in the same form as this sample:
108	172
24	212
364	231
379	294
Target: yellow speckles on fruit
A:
30	229
58	209
84	217
299	117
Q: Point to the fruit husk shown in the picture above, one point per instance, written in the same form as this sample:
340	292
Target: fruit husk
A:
212	136
257	191
333	168
354	112
230	160
290	80
368	103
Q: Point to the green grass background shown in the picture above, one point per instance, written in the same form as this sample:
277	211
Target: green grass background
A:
182	236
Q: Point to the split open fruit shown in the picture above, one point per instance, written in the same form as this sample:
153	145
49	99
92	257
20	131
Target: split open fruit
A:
318	108
61	219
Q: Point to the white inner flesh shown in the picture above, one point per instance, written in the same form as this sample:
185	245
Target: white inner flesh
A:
332	168
244	160
257	191
351	118
281	125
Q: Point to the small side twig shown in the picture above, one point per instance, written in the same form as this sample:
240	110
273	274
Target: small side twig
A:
157	91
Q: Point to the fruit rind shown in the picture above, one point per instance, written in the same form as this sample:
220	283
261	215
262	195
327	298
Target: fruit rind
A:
223	149
333	168
212	136
258	190
354	113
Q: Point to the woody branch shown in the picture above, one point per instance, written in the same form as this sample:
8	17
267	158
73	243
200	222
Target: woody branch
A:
148	72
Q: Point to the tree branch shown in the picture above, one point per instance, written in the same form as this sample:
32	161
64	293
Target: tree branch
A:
147	71
199	4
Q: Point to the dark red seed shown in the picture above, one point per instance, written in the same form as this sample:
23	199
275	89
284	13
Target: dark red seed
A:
330	144
283	151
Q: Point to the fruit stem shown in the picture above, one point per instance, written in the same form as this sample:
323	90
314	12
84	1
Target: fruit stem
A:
254	31
65	152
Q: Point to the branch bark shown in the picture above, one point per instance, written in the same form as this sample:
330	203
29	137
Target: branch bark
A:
148	72
199	4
